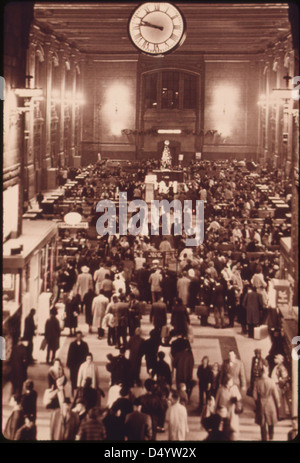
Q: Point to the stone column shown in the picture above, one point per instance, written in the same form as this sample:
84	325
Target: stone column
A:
61	152
46	161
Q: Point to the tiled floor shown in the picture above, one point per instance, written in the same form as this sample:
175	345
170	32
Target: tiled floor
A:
207	341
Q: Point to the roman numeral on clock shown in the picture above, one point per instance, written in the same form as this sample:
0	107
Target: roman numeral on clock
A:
156	48
174	37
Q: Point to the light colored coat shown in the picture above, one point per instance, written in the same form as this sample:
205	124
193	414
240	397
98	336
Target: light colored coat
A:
88	370
84	283
178	422
99	305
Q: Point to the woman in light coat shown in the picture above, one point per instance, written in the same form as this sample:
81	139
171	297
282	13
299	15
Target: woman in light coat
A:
88	370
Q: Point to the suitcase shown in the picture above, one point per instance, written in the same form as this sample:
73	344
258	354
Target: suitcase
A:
261	332
202	311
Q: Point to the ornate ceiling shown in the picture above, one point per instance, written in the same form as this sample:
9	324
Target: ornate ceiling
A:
220	28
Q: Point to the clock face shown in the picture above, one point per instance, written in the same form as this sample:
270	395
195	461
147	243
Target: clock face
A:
156	28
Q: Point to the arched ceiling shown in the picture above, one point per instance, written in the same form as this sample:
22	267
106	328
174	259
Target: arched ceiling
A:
220	28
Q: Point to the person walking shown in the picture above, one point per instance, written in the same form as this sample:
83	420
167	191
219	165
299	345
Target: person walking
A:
253	304
87	307
178	422
138	426
77	353
52	335
92	428
158	314
155	280
84	282
204	375
99	305
88	369
136	348
19	365
29	332
266	397
64	423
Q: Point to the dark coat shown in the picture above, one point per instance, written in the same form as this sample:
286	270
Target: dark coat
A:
162	371
52	332
180	319
253	304
138	426
205	376
76	356
29	328
14	422
87	302
18	364
72	311
28	403
158	315
184	364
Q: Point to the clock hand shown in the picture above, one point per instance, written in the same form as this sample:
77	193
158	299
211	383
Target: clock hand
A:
147	24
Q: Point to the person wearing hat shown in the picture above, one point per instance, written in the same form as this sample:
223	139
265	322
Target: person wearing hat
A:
64	423
52	335
256	369
138	426
84	281
28	399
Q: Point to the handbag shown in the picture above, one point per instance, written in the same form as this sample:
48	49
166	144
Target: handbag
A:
49	395
43	344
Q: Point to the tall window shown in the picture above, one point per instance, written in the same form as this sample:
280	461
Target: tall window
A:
189	91
151	91
170	90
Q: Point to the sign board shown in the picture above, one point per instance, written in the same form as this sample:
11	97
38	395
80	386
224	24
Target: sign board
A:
198	156
73	227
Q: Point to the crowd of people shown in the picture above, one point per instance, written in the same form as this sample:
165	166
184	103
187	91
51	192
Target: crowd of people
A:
116	280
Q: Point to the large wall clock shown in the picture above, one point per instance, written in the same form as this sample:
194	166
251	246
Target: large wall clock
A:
157	28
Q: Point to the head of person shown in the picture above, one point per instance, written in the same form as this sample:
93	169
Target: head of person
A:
182	387
161	355
175	397
78	336
93	413
149	384
137	406
278	359
29	385
57	365
257	353
88	381
89	358
205	361
32	312
231	356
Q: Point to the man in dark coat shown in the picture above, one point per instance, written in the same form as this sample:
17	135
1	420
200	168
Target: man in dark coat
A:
136	352
184	364
158	314
19	364
162	370
253	304
87	307
29	330
119	368
151	346
180	318
52	335
77	353
138	426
